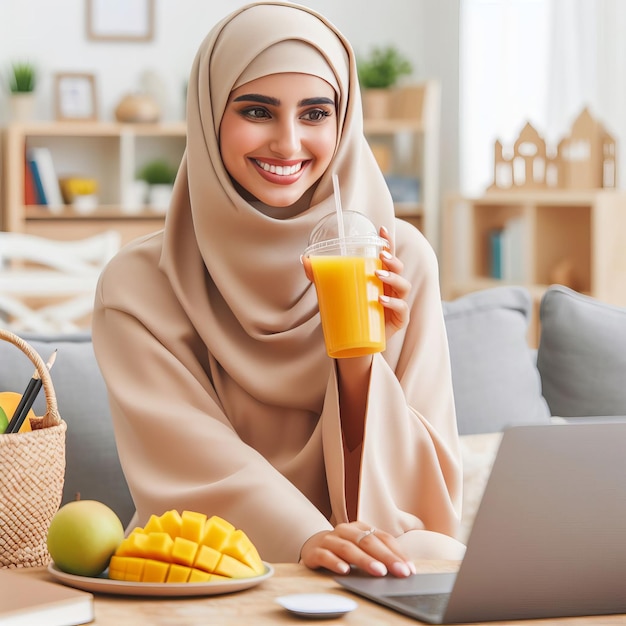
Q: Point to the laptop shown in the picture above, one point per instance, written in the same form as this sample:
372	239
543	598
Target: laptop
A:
549	537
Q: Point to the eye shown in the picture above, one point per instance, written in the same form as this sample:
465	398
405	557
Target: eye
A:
316	115
255	113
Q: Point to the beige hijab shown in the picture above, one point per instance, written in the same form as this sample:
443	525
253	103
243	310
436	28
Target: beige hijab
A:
234	269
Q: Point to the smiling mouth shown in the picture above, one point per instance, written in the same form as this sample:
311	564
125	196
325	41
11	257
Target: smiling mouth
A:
280	170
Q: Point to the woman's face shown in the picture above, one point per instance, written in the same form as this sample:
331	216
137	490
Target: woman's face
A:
278	135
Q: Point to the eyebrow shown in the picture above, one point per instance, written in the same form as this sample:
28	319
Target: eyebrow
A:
255	97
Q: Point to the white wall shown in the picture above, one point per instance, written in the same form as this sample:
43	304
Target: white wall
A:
53	35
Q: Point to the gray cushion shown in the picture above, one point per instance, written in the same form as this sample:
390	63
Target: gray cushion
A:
496	382
92	464
582	354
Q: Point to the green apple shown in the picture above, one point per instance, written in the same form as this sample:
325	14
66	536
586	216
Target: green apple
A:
82	537
4	420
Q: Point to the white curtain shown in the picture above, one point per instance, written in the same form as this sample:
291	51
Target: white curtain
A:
538	61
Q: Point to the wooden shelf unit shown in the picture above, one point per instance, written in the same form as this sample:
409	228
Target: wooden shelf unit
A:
109	152
411	138
576	238
112	152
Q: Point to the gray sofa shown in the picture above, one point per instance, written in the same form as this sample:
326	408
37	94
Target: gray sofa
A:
578	371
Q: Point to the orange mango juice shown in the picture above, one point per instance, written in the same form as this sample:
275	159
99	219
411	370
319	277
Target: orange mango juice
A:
353	320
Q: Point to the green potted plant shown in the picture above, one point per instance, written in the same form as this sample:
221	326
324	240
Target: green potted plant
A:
157	172
378	73
23	77
159	175
22	81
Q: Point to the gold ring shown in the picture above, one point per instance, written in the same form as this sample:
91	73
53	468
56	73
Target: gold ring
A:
364	534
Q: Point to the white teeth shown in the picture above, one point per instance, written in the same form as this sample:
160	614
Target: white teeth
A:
280	170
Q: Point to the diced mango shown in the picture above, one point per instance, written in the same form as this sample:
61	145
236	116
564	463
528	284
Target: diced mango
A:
155	571
117	567
232	568
172	523
253	560
126	568
176	548
216	532
237	544
178	574
198	576
216	578
134	569
159	546
125	548
192	525
184	551
139	542
207	558
154	525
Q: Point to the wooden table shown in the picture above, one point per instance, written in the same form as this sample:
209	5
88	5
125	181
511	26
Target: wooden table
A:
257	606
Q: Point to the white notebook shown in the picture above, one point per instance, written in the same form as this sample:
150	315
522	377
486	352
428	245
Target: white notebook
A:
29	601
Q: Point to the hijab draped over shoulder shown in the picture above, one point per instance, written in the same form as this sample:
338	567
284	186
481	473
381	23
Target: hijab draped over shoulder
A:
208	334
260	300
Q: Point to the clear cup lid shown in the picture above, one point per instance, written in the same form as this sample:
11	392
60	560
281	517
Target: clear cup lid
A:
358	230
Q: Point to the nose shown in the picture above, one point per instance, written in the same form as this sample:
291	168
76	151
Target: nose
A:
287	140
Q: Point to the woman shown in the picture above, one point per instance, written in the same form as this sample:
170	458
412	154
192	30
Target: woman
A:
208	334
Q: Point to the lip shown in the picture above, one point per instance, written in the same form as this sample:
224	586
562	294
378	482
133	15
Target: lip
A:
280	179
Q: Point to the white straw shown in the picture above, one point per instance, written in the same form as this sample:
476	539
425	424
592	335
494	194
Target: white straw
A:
339	210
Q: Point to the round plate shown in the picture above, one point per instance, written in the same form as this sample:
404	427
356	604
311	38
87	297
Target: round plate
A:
317	605
102	584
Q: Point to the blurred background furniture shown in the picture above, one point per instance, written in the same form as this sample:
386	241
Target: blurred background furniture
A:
48	286
536	239
110	153
405	143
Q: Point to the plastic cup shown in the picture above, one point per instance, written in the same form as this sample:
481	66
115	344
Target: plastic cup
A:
343	272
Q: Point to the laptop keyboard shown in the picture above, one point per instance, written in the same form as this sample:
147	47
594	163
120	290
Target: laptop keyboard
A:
430	603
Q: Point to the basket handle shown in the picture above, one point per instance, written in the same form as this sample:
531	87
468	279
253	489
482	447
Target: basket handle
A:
51	417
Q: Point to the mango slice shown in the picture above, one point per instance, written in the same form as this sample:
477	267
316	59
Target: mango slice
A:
185	547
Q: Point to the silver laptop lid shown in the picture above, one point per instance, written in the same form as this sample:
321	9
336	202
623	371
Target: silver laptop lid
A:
549	538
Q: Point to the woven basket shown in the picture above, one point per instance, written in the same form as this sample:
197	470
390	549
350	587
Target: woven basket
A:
32	472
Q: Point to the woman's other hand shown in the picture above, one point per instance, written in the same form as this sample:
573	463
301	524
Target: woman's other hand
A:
356	543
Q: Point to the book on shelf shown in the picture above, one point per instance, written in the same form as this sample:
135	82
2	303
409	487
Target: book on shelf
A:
39	193
29	601
43	166
513	250
31	194
495	253
506	251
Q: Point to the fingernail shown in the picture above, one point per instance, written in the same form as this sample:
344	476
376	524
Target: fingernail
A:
382	273
384	230
384	299
343	568
400	569
378	568
301	261
386	255
412	567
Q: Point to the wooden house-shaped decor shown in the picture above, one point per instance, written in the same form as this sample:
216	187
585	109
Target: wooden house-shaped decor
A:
585	159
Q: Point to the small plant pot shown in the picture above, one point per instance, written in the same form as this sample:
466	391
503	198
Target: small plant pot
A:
135	197
22	107
376	103
159	197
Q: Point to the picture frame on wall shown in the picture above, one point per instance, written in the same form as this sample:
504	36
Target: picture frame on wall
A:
120	20
75	97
